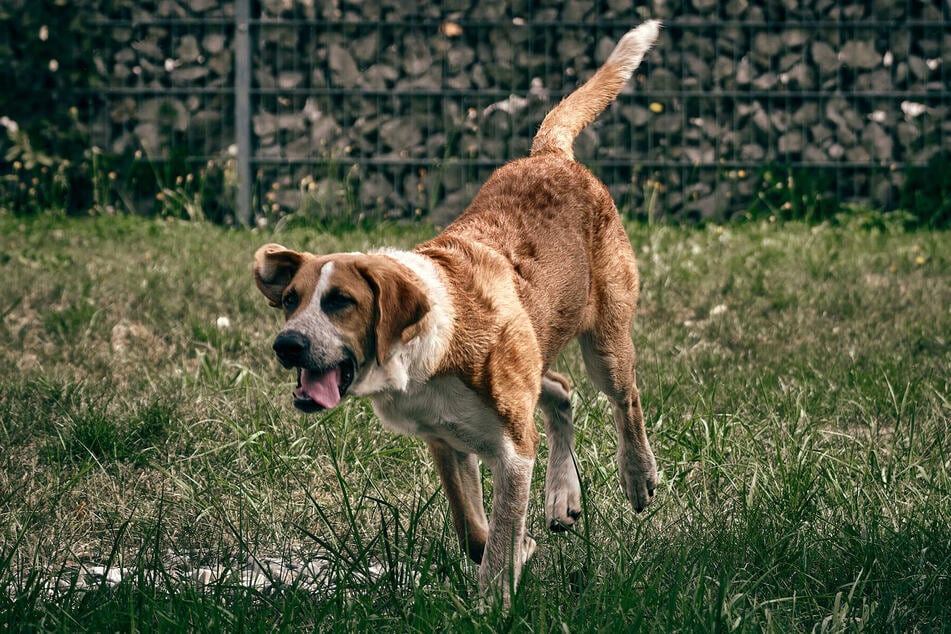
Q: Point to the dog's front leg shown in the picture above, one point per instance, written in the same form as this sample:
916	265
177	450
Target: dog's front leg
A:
509	546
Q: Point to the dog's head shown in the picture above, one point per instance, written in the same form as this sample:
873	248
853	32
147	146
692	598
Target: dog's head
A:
343	314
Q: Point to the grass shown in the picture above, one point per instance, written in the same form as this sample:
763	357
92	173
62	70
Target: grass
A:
795	379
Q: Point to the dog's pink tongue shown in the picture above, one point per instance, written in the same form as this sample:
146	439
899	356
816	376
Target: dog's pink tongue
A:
322	387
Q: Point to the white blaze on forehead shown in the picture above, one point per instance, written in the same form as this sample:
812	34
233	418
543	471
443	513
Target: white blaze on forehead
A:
311	320
323	281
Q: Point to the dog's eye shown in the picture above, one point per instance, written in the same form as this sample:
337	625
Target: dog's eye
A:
290	300
336	300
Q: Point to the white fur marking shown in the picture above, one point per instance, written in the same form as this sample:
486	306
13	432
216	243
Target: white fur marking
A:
416	360
313	323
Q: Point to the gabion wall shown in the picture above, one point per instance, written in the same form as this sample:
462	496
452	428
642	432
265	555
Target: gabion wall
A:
402	108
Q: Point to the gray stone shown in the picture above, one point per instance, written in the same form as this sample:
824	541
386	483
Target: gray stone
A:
189	74
723	71
878	142
325	133
570	47
188	50
799	76
460	56
835	151
417	58
400	134
220	64
814	154
736	8
697	68
700	155
289	79
668	123
780	120
662	79
761	120
806	114
379	77
366	49
876	80
206	120
918	67
603	49
375	189
170	9
794	38
214	42
200	6
792	142
299	148
576	10
744	71
125	56
343	68
264	124
860	54
283	37
149	49
752	152
857	154
825	57
908	133
149	138
120	72
166	112
638	116
766	81
706	207
124	111
767	45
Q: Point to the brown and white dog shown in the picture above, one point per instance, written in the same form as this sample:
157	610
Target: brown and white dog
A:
453	341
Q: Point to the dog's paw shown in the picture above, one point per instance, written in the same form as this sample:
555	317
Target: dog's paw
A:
562	496
563	508
528	548
500	572
638	472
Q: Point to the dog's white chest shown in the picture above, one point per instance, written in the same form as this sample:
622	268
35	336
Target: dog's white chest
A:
442	408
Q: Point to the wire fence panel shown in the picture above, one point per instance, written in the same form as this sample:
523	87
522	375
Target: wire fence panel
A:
401	109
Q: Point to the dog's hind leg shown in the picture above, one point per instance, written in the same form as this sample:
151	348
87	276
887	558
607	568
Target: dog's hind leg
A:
609	358
562	488
459	473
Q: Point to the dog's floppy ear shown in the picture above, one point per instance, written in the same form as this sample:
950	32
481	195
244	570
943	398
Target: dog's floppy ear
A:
274	268
400	303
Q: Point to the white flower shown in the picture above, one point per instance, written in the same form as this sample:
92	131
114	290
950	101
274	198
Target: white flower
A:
12	126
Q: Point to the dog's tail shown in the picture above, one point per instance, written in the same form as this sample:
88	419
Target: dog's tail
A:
559	129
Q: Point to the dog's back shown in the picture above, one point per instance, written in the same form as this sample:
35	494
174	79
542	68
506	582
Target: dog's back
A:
553	223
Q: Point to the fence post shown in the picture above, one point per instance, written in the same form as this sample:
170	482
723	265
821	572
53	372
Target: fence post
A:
242	107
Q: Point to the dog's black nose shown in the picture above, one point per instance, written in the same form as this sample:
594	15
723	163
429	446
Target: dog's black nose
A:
291	348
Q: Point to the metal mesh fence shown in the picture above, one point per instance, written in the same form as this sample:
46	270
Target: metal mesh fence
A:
396	109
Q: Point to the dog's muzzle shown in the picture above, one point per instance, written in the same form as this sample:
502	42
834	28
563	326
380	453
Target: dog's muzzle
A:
319	386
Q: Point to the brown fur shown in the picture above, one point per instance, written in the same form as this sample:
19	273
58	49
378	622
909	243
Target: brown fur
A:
539	257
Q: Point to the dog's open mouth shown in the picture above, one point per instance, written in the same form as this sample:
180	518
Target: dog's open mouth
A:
319	389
